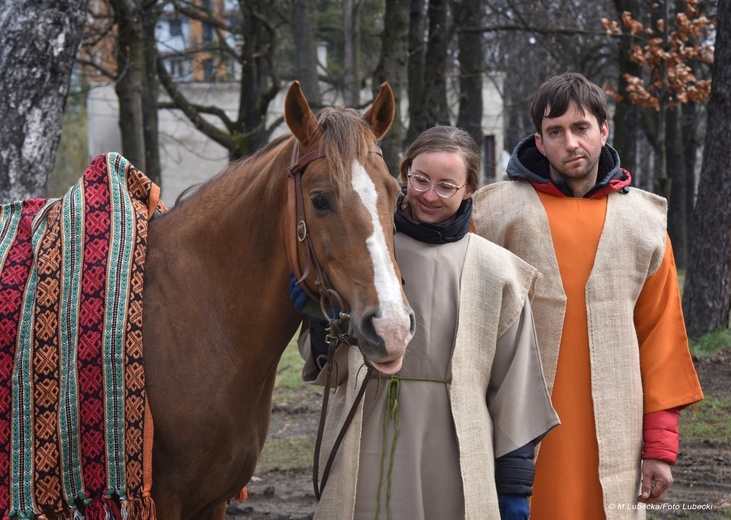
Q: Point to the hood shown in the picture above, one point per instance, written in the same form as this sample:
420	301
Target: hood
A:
529	164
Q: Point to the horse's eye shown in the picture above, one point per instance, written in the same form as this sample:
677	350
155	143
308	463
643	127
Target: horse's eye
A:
320	202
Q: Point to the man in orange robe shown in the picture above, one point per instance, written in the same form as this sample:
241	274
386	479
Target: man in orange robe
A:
607	309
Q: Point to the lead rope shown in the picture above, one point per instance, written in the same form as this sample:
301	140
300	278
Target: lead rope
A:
334	337
392	410
332	344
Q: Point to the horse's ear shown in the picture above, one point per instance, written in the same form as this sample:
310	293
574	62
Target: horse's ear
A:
381	114
300	119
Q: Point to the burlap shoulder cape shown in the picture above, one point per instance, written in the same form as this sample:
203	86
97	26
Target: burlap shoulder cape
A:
75	428
630	250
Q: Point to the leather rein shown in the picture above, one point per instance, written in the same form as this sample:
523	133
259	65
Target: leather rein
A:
299	241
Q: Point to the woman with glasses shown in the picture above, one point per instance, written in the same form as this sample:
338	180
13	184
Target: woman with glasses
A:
452	434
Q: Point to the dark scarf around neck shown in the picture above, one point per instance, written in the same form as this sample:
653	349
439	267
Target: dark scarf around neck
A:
451	231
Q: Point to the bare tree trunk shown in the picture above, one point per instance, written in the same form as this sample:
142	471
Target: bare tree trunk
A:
677	210
303	33
691	142
351	52
664	181
417	53
707	294
432	108
130	85
392	67
467	14
39	40
152	167
259	81
626	116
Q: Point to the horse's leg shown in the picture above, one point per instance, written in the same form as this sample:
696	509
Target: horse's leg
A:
168	509
212	513
172	510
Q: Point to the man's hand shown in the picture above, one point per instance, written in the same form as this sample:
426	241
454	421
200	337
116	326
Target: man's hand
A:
656	479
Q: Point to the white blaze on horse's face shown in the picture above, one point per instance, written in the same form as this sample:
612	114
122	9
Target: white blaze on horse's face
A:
393	321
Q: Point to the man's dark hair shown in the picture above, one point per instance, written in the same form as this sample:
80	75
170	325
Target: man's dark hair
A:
558	92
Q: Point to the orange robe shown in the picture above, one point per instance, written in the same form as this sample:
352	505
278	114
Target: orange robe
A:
567	479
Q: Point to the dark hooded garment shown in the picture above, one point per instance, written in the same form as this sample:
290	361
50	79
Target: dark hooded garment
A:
529	164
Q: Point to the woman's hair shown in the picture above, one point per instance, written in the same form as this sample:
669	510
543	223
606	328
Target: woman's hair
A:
558	92
445	139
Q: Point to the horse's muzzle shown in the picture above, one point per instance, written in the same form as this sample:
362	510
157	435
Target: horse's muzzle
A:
383	336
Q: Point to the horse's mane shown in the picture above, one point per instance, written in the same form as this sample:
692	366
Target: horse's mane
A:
265	149
252	158
234	165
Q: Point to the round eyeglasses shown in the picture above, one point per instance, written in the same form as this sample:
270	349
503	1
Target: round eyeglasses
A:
444	189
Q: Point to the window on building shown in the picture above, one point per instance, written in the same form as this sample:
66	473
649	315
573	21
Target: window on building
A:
178	68
175	27
209	70
208	33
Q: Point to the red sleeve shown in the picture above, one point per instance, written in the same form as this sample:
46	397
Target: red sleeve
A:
661	436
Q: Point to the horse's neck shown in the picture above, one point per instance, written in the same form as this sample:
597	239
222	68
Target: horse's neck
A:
226	244
234	221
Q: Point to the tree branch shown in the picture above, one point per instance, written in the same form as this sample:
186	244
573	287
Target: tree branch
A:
104	72
193	114
571	31
202	15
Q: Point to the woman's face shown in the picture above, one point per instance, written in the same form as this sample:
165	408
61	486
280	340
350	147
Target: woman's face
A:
439	171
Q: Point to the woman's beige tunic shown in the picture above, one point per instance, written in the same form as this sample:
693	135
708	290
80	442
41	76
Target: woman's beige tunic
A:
501	407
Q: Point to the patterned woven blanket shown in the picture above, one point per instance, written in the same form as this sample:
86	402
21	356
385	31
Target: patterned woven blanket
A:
75	428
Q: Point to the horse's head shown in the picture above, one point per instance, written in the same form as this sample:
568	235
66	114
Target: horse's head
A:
348	202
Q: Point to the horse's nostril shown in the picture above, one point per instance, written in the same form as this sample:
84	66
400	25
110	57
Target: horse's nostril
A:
412	322
370	342
368	328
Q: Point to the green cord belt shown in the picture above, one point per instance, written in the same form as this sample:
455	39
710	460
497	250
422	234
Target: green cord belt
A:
392	410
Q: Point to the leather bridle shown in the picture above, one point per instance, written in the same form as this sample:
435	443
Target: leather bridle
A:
299	236
300	247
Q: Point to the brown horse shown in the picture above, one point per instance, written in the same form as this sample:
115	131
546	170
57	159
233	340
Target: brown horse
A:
217	313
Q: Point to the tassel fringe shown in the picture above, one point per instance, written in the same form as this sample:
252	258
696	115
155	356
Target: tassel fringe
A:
242	496
138	509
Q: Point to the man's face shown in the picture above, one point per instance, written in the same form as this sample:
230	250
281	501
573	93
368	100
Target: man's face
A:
572	144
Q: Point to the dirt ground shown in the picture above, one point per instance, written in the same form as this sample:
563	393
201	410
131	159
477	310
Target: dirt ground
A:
702	487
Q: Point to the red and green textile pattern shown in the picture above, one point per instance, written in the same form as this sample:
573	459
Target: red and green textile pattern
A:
16	254
45	368
75	431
